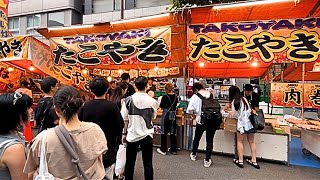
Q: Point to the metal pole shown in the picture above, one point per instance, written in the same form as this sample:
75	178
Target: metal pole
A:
303	75
122	9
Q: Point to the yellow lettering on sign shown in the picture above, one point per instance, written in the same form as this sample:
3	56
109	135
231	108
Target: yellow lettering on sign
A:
205	47
266	44
303	46
232	50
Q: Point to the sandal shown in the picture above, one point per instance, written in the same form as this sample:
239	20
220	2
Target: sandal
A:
238	163
254	164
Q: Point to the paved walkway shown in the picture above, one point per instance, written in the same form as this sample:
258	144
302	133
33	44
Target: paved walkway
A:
181	167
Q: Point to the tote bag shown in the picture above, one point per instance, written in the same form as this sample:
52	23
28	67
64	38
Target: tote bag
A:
43	167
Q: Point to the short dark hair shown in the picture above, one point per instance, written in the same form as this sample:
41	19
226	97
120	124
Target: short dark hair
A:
99	86
68	99
150	79
13	108
198	86
112	82
141	83
24	83
125	76
248	87
47	83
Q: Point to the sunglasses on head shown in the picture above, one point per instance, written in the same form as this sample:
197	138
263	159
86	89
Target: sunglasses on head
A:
16	97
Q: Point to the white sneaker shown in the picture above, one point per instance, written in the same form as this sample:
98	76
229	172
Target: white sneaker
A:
193	157
161	152
207	163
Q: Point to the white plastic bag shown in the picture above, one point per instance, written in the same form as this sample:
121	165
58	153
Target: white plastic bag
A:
43	167
121	160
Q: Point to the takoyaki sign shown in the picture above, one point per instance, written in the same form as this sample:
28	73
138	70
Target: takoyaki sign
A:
121	48
268	41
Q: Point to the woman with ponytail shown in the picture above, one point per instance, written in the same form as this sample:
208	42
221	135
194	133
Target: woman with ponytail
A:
241	111
88	138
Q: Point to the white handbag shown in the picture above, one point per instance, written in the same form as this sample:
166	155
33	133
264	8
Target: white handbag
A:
43	167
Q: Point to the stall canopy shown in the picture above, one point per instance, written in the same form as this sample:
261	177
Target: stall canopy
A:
17	53
211	28
228	70
294	73
181	39
279	10
174	21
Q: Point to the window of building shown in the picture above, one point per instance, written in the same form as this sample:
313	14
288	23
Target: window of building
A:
149	3
14	25
55	19
100	6
33	21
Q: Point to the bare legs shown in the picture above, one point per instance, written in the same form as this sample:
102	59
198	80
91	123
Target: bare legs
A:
253	147
250	138
240	138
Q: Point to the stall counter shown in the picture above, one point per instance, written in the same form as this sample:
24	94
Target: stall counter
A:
270	146
180	129
311	142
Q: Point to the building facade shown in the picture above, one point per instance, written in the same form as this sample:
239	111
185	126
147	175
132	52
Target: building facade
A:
97	11
27	15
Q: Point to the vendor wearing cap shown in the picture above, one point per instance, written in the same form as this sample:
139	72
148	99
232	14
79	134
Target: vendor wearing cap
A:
252	97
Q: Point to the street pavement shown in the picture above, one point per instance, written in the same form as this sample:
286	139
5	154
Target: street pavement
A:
180	167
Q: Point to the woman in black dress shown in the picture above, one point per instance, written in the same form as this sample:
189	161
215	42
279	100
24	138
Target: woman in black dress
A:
168	121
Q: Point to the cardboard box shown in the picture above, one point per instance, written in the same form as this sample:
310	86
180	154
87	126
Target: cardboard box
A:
231	125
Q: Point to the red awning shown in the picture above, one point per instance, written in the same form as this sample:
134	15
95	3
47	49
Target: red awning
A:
281	10
26	64
294	73
228	70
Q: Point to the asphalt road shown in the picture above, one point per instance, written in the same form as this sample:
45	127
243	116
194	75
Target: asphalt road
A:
180	167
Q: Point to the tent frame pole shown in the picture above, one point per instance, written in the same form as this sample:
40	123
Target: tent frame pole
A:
303	82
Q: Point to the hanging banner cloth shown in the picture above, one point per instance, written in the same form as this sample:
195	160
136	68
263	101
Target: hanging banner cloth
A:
276	41
4	24
290	95
151	45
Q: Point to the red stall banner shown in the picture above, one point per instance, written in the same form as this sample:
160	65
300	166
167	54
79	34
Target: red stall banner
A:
4	23
10	77
128	47
291	95
68	75
277	41
14	48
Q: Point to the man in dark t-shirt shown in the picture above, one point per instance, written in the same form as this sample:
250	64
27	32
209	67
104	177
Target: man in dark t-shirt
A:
45	115
111	89
107	115
126	78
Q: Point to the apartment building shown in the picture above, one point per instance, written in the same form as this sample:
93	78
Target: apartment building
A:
27	15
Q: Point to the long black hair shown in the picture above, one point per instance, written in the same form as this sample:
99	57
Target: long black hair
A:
236	96
117	95
13	109
68	99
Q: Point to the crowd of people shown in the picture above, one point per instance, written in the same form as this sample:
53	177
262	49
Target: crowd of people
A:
120	113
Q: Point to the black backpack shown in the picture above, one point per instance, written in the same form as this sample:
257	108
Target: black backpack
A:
210	112
41	115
